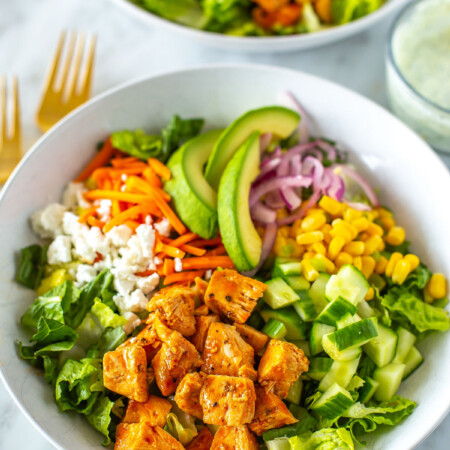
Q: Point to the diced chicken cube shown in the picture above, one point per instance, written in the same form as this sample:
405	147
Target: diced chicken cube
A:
187	395
280	366
154	411
202	441
142	436
176	357
147	339
202	310
253	337
125	372
270	412
201	331
175	308
226	353
200	287
227	400
233	295
234	438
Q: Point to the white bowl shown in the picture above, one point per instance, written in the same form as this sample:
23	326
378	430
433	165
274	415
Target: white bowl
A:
264	44
411	178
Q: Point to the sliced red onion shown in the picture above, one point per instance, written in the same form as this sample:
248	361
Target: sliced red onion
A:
301	211
263	214
264	141
358	205
286	98
328	148
262	177
296	165
274	200
311	164
298	150
336	188
291	199
365	186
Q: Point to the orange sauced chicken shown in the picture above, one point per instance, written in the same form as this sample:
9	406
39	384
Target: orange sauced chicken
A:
234	438
202	441
253	337
147	339
187	395
140	436
154	411
202	324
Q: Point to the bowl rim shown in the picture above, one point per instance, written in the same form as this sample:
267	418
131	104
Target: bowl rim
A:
392	61
308	39
146	78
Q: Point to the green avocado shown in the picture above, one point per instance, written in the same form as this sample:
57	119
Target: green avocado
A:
239	236
194	199
270	119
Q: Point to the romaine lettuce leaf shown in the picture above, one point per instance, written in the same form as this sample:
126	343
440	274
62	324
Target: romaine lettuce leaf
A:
344	11
31	266
223	15
186	12
180	424
324	439
109	341
100	417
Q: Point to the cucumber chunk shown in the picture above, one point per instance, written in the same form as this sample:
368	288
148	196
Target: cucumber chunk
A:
297	282
279	294
341	372
340	355
368	389
349	283
295	392
317	291
279	444
275	329
335	311
413	361
405	343
296	328
319	367
381	350
389	378
305	307
284	268
333	402
304	345
318	331
365	310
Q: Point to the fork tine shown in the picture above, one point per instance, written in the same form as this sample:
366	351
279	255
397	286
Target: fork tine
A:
75	69
85	85
53	69
3	131
68	62
17	132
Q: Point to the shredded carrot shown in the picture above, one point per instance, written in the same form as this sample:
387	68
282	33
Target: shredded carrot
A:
208	262
173	252
159	168
122	162
218	251
169	214
207	242
192	250
98	194
159	270
145	273
86	214
93	222
131	213
99	160
183	277
188	237
150	175
132	224
144	187
168	266
115	205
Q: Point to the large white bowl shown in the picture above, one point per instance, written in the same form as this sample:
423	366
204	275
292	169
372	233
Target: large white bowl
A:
410	177
264	44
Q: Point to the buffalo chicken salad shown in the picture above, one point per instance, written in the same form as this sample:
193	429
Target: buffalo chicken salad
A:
240	288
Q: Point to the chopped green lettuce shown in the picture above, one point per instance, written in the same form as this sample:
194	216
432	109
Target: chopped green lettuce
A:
324	439
186	12
224	15
180	424
344	11
31	266
100	417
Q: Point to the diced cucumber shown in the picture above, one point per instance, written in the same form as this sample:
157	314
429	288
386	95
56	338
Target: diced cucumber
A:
304	345
255	320
279	294
348	319
405	343
295	392
279	444
412	362
377	281
317	291
368	389
389	377
296	328
340	355
350	337
349	283
275	329
305	307
365	310
283	267
318	331
319	367
298	283
318	264
333	402
355	278
381	350
335	311
341	372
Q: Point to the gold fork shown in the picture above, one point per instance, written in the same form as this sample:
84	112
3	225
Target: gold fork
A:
10	133
68	84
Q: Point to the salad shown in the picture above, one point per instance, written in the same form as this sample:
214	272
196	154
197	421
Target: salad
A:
241	288
260	17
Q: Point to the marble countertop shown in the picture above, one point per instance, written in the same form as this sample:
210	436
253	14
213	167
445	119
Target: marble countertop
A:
128	49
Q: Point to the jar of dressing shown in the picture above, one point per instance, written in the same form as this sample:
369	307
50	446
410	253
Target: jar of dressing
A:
418	70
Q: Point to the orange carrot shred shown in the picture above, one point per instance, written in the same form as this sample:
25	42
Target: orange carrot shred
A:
86	214
132	224
182	277
145	273
218	251
193	250
168	266
208	262
144	187
160	169
131	213
172	251
169	214
150	175
99	160
98	194
93	222
188	237
207	242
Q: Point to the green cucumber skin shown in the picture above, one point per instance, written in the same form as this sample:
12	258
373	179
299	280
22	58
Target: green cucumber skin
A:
341	372
368	390
317	291
318	331
319	367
305	307
389	378
381	350
333	402
413	361
279	294
296	329
355	334
275	329
335	310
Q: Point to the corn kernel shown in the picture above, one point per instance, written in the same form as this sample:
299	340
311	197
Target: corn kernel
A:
329	265
341	230
343	258
313	222
308	270
282	213
297	226
437	286
297	250
374	229
308	255
326	233
336	245
382	213
372	244
361	224
393	260
351	214
313	211
368	265
387	223
382	263
309	238
413	260
364	236
319	248
395	236
370	294
330	205
283	231
401	271
357	262
353	230
355	248
372	215
382	246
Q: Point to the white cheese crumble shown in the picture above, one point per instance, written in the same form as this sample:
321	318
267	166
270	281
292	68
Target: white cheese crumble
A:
59	251
73	196
47	222
133	322
178	265
163	227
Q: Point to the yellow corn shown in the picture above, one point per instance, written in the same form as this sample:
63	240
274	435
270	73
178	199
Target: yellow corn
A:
309	238
393	260
374	229
319	248
331	206
282	213
437	286
308	270
339	229
355	248
313	222
382	246
283	231
326	233
370	294
308	255
343	258
413	260
382	213
296	227
387	223
335	246
351	214
372	215
361	224
381	265
372	244
313	211
368	265
364	236
329	265
280	242
357	262
401	271
395	236
297	250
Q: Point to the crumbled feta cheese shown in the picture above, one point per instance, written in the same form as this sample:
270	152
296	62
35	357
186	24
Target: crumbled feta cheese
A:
157	260
85	274
133	322
104	210
83	251
71	226
73	196
47	222
59	251
124	177
96	240
148	220
123	188
119	236
163	227
208	274
146	236
148	284
134	302
178	265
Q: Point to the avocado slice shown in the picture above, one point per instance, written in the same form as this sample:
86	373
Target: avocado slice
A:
194	199
239	235
270	119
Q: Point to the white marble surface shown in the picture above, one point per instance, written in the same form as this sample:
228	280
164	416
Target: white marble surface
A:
127	49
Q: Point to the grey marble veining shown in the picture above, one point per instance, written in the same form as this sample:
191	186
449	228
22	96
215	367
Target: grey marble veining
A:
128	49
